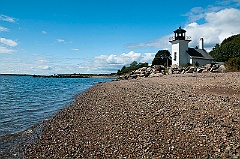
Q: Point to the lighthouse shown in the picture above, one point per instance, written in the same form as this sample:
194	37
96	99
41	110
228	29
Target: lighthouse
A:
179	43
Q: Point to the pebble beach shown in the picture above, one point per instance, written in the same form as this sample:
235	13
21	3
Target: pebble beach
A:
174	116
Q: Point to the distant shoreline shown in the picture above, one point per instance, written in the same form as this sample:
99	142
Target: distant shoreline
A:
65	75
6	74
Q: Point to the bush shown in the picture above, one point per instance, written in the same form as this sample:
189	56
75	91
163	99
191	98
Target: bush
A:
133	66
233	64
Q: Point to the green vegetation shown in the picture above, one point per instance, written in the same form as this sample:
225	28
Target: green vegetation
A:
229	48
233	64
228	52
133	66
163	57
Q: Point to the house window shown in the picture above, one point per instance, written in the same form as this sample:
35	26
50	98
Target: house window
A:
175	56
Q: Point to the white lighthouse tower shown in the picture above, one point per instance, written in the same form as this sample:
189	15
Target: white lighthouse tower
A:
180	47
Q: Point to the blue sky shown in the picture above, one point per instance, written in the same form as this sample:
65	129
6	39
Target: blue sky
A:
100	36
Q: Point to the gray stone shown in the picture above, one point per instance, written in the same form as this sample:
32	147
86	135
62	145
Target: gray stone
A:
208	66
170	71
156	75
222	69
190	70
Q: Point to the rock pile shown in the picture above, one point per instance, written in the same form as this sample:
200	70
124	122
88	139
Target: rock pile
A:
155	71
215	68
160	70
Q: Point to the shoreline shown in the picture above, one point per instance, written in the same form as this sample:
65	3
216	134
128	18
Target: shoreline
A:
65	75
166	117
10	142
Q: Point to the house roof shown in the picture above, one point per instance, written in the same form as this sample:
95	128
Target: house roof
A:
199	53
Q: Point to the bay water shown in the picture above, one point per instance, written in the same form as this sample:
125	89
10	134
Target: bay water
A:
26	101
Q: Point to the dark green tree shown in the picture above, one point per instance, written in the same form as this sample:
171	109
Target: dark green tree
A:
163	57
145	64
133	65
229	48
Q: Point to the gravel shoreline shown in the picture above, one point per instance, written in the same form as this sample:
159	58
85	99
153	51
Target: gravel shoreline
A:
177	116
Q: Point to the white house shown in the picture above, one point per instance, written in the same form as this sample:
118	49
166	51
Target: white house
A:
182	54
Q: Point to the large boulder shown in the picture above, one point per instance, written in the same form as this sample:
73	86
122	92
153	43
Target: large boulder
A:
208	66
191	70
222	69
155	75
174	66
159	67
170	71
214	68
200	70
176	72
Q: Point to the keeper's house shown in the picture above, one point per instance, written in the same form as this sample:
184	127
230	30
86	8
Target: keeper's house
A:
182	54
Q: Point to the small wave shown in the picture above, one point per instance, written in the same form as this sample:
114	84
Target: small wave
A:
27	101
13	145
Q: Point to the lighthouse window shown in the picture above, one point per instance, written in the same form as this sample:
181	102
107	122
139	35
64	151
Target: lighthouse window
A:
175	56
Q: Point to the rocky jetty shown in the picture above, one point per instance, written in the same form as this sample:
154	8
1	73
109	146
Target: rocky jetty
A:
176	116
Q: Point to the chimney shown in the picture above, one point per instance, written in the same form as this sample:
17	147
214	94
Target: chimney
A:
201	46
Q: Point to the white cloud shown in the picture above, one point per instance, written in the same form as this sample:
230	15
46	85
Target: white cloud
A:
224	16
228	2
46	67
3	29
60	40
148	57
198	13
5	46
195	14
8	42
75	49
193	24
219	25
161	43
64	41
111	63
41	61
44	32
7	18
122	59
5	50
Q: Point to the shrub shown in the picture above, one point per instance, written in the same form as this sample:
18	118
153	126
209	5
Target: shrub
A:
133	66
233	64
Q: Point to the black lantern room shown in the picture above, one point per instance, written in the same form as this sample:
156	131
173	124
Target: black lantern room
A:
179	34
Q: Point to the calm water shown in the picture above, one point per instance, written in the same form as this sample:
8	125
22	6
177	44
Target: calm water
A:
26	101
